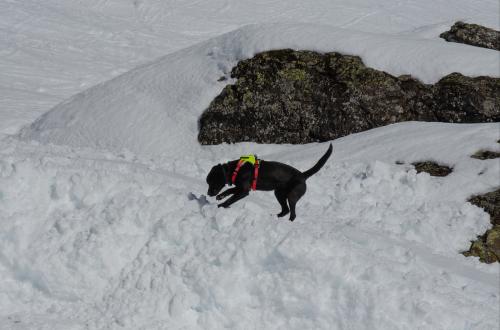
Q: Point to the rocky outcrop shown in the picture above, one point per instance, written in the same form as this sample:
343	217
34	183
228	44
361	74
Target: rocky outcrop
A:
486	154
487	246
490	202
287	96
473	34
457	98
432	168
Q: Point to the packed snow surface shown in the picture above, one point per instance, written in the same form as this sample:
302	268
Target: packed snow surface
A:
104	222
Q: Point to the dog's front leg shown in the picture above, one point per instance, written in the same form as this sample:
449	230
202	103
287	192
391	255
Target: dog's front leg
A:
236	197
226	193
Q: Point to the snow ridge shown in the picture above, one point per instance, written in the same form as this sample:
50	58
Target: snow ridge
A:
151	109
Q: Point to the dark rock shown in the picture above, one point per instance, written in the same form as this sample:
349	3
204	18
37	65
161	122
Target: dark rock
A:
473	34
486	154
432	168
458	98
490	202
287	96
487	246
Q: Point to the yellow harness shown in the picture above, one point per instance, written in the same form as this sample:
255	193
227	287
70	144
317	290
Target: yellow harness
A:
248	159
252	159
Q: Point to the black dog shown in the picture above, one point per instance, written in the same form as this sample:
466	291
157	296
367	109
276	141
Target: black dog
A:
288	183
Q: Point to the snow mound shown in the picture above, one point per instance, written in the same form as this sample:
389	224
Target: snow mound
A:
153	109
55	49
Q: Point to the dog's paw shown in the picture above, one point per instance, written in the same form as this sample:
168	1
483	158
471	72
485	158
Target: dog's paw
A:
282	214
219	197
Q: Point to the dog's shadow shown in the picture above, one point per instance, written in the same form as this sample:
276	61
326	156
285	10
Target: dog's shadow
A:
202	199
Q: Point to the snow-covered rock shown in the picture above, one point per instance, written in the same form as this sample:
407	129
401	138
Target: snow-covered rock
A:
154	109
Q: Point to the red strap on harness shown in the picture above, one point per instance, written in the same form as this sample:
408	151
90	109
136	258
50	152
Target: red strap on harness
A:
255	173
236	170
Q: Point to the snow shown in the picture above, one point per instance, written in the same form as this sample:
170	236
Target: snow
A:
134	110
103	219
115	242
55	49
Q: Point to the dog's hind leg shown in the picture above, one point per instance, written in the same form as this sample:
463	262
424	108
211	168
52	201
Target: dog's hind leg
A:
293	197
281	197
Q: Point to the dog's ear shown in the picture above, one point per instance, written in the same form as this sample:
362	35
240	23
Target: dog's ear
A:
214	173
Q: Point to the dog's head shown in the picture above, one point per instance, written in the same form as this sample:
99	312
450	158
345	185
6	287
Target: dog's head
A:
216	180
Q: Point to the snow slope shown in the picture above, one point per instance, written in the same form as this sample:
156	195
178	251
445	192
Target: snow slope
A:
154	109
101	241
103	219
53	49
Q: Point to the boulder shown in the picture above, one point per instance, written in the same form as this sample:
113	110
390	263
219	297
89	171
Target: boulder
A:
432	168
461	99
287	96
473	34
487	246
486	154
490	202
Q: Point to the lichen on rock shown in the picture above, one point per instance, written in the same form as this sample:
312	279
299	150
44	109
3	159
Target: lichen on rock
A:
432	168
487	246
486	154
287	96
473	34
457	98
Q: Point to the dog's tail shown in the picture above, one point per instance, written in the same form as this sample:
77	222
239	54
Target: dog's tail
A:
320	163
